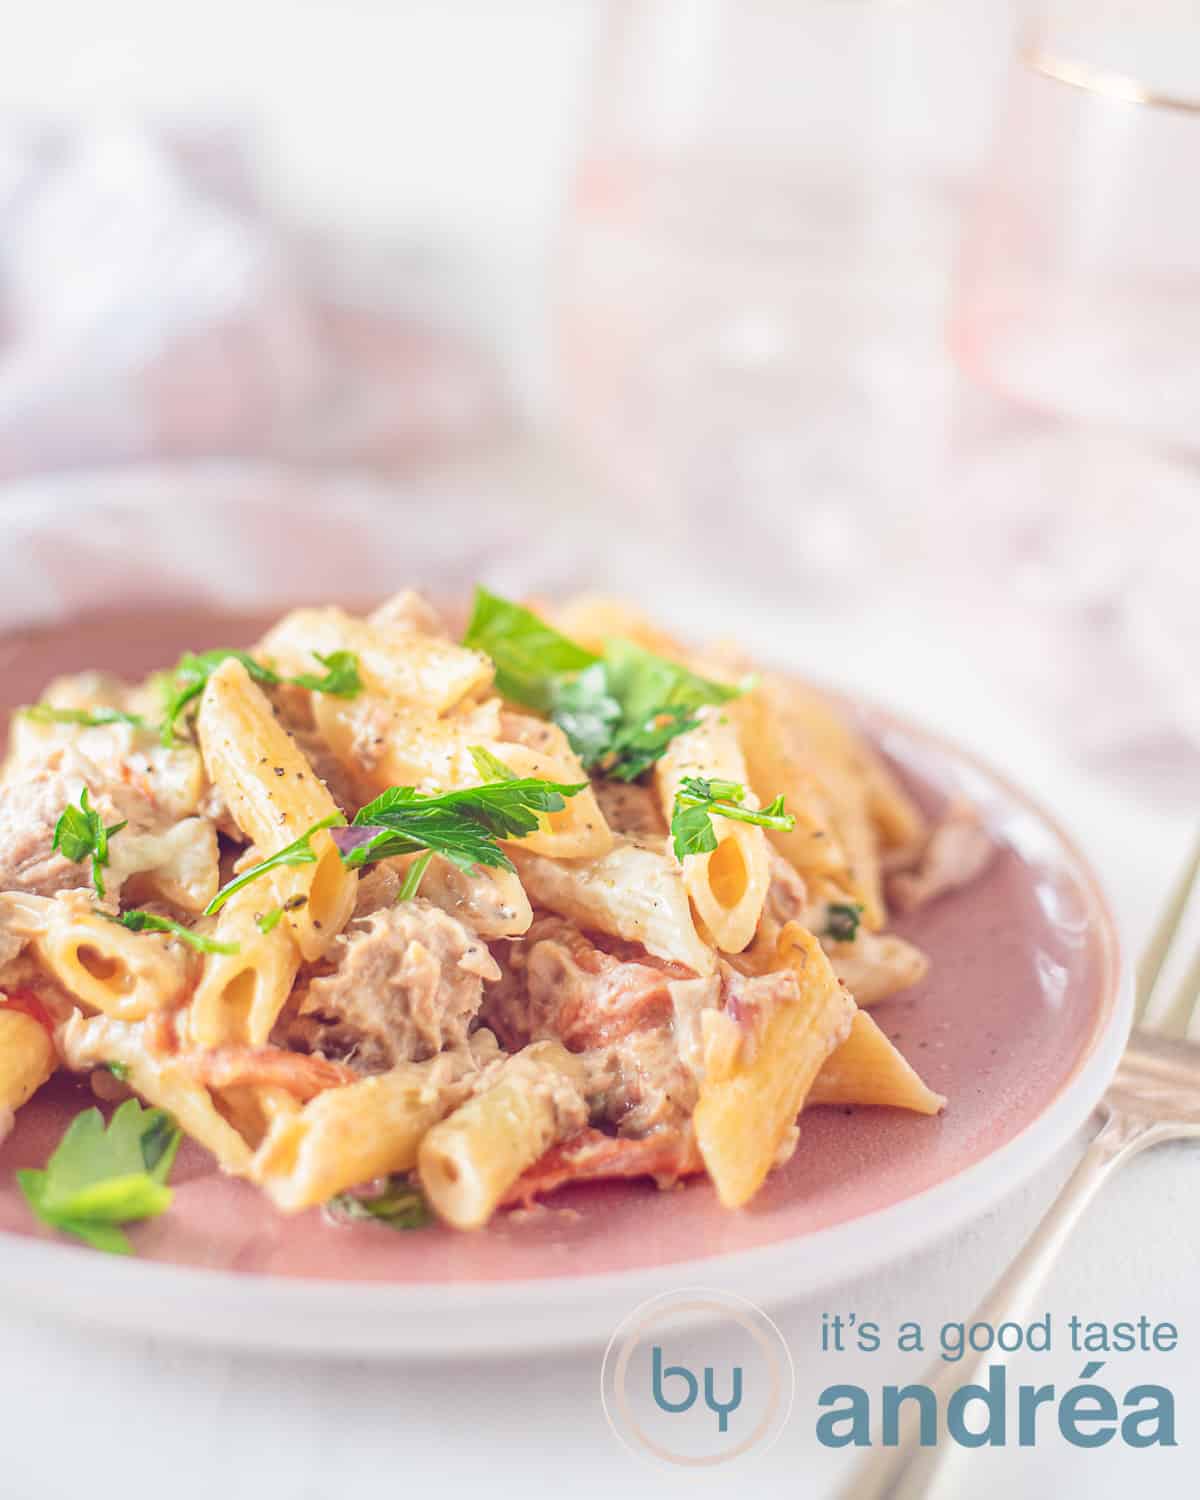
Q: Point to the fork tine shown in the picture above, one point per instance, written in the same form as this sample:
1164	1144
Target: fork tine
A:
1151	962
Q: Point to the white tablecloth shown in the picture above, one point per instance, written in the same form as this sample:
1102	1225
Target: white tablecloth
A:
89	1414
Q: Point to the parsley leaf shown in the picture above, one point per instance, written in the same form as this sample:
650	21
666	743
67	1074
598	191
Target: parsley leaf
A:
619	711
399	1206
341	679
47	713
80	834
699	798
298	852
528	654
842	919
585	710
462	826
137	920
190	677
100	1178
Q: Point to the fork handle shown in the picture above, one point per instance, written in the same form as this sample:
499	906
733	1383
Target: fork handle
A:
908	1471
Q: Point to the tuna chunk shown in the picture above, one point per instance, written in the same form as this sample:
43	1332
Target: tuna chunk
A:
640	1084
29	810
559	984
408	982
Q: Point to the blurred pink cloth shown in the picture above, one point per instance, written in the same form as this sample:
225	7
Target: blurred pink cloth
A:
150	308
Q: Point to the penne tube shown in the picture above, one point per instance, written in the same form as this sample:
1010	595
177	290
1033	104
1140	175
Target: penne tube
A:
471	1159
240	995
160	1079
395	661
728	887
350	1135
27	1059
125	975
275	798
632	892
876	965
744	1117
869	1069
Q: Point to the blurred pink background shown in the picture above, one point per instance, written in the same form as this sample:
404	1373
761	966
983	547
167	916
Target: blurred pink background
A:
901	300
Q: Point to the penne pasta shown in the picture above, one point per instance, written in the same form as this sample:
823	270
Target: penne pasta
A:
368	1129
744	1118
470	1160
397	662
275	798
868	1069
241	994
27	1059
729	886
632	892
494	1010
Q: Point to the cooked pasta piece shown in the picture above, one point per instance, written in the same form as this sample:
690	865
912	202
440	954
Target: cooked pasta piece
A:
744	1119
126	975
729	886
161	1079
876	965
368	1129
27	1059
869	1069
275	798
632	892
813	846
241	994
395	661
471	1159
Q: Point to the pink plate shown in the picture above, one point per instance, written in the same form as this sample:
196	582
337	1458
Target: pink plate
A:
1019	1024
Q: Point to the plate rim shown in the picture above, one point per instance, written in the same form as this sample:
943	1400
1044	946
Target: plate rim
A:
321	1316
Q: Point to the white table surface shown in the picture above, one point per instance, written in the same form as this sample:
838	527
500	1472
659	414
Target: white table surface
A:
91	1414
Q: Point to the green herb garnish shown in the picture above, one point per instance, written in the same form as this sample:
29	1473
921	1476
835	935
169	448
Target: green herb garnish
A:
80	834
100	1178
137	920
341	679
190	677
118	1071
399	1206
529	655
89	718
462	826
700	798
298	852
842	919
413	877
619	711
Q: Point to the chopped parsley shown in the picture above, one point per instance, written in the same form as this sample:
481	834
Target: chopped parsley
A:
100	1178
80	834
88	718
463	826
700	798
399	1206
118	1070
842	919
137	920
298	852
190	677
620	711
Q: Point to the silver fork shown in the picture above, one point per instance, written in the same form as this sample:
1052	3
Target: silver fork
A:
1154	1096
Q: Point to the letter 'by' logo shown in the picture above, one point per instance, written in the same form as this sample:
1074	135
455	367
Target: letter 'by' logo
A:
697	1378
681	1372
